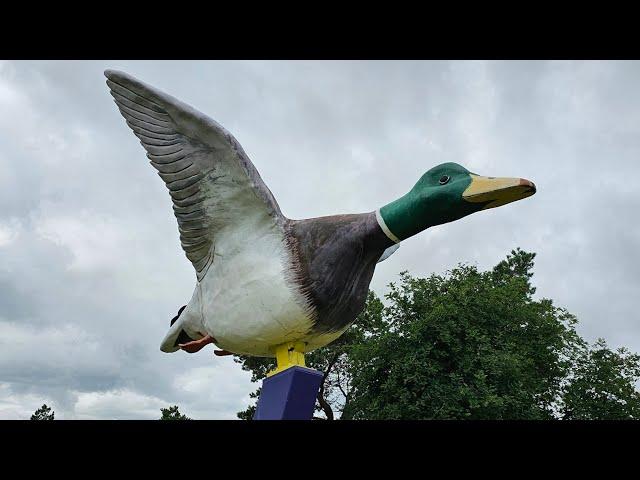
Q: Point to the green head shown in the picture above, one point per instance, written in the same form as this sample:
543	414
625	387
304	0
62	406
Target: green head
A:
446	193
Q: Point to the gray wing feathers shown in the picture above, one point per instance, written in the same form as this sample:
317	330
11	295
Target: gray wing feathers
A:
209	177
388	252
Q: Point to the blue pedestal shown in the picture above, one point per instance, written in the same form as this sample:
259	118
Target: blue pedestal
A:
289	395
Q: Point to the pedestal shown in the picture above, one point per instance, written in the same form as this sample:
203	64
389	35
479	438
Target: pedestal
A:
289	395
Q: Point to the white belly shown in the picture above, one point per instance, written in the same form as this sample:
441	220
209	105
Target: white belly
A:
247	304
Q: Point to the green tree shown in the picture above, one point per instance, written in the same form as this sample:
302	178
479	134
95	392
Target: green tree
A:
172	413
43	413
466	345
602	385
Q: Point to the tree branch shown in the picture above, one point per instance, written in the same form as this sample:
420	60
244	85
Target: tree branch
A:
340	386
326	407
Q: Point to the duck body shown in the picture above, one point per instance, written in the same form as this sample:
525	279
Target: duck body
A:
335	258
264	281
300	281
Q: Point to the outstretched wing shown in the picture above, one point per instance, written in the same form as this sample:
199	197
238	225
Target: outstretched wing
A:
212	182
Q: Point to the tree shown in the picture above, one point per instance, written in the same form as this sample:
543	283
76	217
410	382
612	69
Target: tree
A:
43	413
469	344
251	409
603	385
172	413
466	345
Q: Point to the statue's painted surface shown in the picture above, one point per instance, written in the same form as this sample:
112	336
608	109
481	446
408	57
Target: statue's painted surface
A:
264	280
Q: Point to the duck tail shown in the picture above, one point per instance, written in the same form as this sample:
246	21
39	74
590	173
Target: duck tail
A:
170	341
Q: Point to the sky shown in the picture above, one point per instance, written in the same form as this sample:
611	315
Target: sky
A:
91	268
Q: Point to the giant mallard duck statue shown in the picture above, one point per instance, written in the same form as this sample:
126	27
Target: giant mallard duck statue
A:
268	285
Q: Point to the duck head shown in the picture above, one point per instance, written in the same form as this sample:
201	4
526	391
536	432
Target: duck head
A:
446	193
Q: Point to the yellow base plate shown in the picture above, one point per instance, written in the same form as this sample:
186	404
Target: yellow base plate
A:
288	355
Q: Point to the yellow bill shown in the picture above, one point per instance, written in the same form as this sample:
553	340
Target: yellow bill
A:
497	191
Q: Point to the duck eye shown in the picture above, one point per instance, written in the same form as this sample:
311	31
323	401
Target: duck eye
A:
444	179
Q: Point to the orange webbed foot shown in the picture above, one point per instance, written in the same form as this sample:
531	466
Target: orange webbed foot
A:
196	345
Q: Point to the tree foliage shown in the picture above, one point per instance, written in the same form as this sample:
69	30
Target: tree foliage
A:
603	385
43	413
172	413
469	344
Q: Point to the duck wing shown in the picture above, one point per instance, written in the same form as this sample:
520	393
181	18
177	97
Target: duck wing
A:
388	252
213	184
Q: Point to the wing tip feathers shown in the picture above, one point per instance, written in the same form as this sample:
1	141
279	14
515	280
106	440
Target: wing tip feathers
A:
111	74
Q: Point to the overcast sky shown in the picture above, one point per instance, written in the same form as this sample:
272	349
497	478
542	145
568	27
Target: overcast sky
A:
91	269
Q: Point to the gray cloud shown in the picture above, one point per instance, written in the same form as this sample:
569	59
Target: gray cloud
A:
91	269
